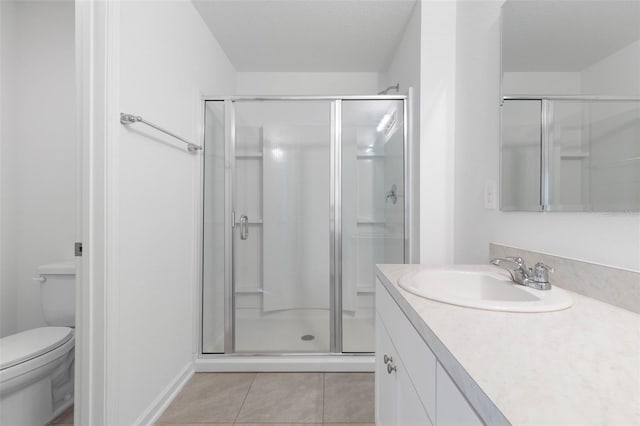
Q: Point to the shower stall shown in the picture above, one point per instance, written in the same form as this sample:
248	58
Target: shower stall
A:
302	197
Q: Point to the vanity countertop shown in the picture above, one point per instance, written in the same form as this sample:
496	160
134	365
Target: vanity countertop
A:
576	366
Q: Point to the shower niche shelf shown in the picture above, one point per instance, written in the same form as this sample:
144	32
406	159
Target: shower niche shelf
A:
577	155
250	289
365	289
249	155
364	156
367	221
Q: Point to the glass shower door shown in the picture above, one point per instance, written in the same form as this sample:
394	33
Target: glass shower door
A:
216	259
281	236
373	209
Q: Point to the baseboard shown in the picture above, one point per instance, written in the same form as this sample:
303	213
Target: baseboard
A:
157	407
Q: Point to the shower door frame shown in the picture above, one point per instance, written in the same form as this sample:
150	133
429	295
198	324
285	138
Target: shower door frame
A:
335	224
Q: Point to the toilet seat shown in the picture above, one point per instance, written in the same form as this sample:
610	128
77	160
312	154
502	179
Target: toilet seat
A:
20	347
29	350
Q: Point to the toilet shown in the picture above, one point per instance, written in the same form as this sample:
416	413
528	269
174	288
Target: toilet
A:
36	366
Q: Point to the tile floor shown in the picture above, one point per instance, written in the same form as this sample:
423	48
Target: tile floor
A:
273	398
268	399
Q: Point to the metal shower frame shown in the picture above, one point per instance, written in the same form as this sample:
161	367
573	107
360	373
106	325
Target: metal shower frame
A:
335	227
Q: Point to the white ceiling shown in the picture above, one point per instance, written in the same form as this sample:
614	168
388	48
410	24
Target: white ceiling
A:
307	35
566	35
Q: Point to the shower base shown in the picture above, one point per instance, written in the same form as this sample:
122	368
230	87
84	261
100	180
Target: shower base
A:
275	343
260	335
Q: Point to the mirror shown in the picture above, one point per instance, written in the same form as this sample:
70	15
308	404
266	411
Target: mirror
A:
571	106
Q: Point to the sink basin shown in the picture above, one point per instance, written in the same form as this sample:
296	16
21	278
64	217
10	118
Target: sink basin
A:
483	288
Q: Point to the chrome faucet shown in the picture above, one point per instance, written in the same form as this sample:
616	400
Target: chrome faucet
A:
537	278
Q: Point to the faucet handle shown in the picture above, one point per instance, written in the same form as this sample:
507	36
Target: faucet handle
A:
541	272
517	259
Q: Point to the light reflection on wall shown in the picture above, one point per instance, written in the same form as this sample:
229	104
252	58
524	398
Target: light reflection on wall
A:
277	154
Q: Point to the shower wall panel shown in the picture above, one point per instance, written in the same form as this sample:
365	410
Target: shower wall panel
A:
296	183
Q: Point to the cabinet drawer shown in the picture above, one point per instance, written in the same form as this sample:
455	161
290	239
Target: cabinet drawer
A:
419	361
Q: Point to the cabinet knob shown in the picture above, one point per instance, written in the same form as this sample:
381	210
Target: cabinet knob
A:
391	368
387	359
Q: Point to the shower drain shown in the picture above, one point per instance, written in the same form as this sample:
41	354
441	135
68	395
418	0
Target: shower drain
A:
308	337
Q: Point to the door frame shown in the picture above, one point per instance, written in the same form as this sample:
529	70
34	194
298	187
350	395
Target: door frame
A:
96	50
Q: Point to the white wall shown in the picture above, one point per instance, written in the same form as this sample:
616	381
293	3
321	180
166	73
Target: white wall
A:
38	152
611	239
477	126
404	69
167	59
7	289
615	75
541	83
307	83
437	133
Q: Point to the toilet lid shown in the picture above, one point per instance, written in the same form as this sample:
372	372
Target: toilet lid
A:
21	347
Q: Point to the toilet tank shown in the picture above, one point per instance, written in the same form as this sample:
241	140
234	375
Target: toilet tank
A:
59	293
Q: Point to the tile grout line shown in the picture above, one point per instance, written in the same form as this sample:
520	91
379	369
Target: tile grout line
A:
245	398
324	381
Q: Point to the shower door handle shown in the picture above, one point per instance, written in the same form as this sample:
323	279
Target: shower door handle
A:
244	227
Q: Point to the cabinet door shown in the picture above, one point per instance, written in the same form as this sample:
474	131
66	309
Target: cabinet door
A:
386	384
397	402
411	412
416	355
451	407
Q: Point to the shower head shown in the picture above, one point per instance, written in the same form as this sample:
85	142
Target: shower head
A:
385	91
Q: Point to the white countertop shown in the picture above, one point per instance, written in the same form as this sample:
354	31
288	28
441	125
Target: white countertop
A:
578	366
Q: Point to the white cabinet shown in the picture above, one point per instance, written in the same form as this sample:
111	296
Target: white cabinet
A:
397	402
411	412
452	408
386	384
412	388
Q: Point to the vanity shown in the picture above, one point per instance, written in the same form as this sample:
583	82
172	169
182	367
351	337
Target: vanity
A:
442	364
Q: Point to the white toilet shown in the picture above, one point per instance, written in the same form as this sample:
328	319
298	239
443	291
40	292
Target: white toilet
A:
36	366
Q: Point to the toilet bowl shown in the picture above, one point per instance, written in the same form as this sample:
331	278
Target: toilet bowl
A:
36	365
